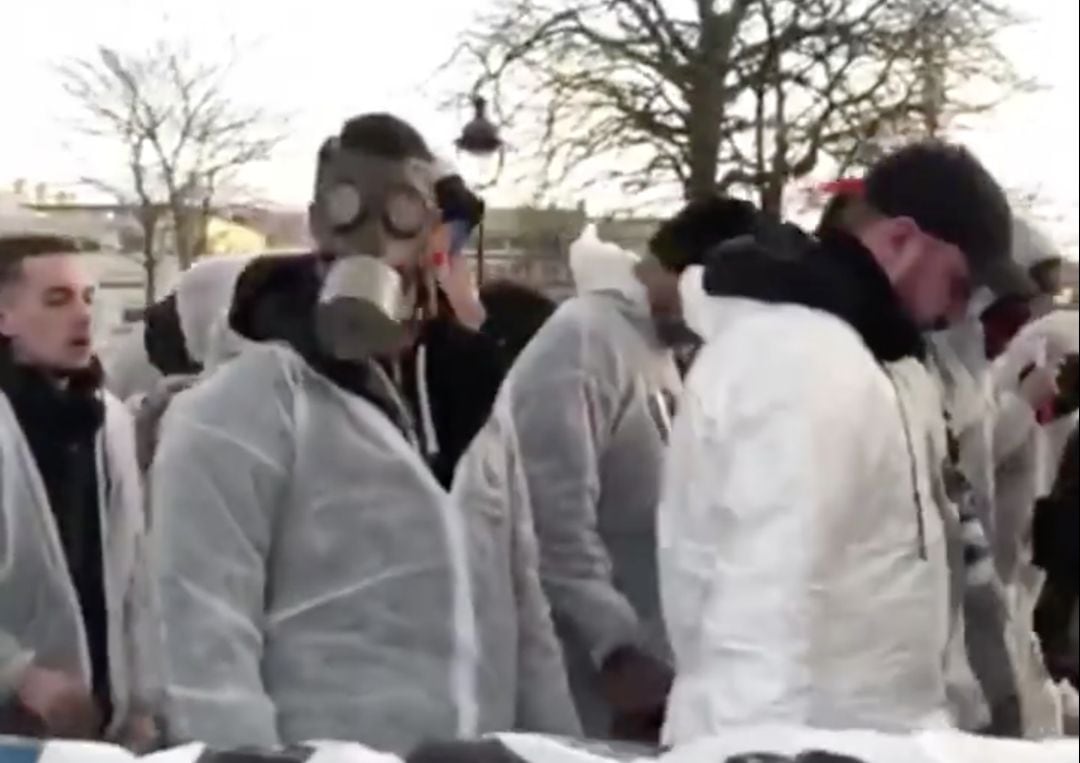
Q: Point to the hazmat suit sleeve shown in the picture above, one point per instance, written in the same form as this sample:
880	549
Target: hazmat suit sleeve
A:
544	703
1013	424
985	622
128	370
14	660
564	416
143	633
215	492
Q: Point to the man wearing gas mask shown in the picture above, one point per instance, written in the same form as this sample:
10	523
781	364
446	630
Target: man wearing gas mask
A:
314	574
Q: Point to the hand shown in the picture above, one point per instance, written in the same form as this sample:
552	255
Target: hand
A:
636	686
661	285
140	734
62	702
456	282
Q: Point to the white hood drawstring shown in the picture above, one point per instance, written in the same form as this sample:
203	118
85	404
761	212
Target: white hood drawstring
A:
423	398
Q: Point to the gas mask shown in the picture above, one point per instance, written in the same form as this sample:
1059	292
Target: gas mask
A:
374	218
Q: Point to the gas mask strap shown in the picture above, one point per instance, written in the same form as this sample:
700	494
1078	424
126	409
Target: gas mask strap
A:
393	393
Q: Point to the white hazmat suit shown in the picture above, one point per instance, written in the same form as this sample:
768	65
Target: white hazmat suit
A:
522	679
802	551
202	294
590	401
40	618
1027	456
314	574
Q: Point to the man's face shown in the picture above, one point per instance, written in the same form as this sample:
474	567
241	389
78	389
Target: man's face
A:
662	290
46	313
930	276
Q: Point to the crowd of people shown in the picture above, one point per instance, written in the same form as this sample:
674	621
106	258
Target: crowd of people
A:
759	475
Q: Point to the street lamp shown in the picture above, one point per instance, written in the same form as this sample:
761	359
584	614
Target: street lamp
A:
480	142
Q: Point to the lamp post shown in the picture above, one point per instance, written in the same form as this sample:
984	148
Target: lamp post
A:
480	141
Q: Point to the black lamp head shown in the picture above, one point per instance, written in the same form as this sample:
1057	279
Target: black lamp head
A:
479	137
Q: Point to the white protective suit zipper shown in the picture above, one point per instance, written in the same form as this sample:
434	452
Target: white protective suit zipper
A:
427	421
905	424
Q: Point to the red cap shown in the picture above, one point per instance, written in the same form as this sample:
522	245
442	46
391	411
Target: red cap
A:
843	186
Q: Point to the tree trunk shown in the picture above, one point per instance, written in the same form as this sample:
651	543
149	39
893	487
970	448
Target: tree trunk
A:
772	197
182	236
706	96
148	222
149	280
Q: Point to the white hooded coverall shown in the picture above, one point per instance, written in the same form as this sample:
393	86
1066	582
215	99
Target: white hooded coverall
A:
1027	456
203	293
522	681
40	618
314	574
590	401
802	558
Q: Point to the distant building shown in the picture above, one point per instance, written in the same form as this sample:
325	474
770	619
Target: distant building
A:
532	245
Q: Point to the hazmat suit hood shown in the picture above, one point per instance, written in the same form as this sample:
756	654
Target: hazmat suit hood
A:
599	266
178	332
1048	339
203	296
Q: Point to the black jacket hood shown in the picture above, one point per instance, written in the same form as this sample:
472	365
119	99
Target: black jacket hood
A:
274	301
164	341
835	274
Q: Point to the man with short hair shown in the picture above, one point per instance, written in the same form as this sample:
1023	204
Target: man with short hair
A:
802	552
78	618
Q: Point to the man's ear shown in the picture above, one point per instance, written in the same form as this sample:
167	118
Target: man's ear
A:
7	301
900	231
890	239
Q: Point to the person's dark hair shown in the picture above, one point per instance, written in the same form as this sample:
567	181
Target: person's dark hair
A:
832	216
697	228
382	135
14	250
515	312
457	203
949	193
386	136
1068	399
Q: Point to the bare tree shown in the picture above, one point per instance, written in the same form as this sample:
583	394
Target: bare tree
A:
716	96
182	135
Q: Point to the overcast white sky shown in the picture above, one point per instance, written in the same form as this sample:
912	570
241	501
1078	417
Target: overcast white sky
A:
324	60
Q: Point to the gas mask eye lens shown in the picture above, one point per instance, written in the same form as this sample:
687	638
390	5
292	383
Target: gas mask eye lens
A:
343	205
406	212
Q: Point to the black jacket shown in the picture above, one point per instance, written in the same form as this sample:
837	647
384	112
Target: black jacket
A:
462	370
61	424
836	275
